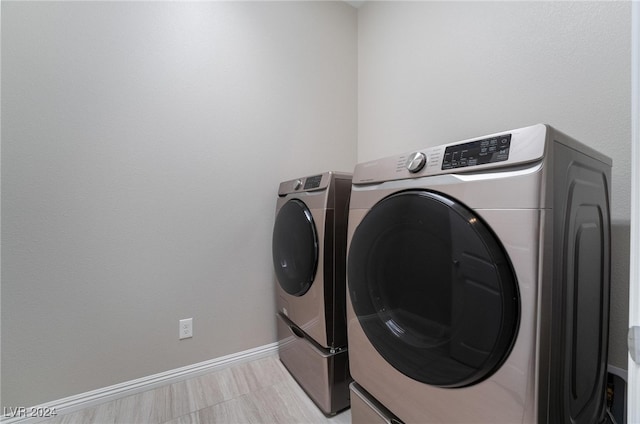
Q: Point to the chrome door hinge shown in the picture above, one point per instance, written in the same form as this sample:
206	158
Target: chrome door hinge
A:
633	341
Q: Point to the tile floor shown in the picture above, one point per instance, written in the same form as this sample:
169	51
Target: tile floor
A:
261	391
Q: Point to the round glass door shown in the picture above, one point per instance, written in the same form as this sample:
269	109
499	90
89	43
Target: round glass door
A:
433	289
295	248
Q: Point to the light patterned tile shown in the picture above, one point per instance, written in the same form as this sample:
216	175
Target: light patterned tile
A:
179	401
255	392
258	374
103	413
343	417
282	403
126	408
268	371
239	410
157	405
79	417
151	407
214	388
310	409
193	418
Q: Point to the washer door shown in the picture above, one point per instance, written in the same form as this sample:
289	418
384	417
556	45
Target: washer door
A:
433	289
295	248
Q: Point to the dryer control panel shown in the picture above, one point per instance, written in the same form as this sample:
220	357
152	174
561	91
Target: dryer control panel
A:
480	154
488	150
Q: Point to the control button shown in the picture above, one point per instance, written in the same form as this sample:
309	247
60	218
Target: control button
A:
416	161
297	185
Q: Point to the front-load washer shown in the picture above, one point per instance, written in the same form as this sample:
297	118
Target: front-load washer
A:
309	259
478	280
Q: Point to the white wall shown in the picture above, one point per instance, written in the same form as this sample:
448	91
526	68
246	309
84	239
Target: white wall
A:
437	72
142	146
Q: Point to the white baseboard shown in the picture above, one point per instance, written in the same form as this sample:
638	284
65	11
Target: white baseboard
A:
96	397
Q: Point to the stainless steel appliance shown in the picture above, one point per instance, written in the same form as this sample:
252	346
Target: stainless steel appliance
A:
478	281
309	258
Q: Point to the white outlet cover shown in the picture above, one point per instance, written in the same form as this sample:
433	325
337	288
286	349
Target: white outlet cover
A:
185	330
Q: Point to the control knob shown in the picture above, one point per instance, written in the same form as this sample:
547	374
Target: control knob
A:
416	162
297	185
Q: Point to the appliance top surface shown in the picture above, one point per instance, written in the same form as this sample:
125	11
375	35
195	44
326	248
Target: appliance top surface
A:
504	149
311	183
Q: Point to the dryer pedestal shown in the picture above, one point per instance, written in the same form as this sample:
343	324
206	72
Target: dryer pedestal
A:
366	410
323	375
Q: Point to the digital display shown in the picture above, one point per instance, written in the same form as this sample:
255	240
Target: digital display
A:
312	182
489	150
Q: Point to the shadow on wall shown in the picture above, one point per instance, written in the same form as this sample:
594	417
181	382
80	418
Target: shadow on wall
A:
619	315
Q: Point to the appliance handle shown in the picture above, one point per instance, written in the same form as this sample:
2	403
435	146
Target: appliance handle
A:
298	333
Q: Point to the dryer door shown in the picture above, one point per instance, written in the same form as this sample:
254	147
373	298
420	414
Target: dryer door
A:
295	248
433	289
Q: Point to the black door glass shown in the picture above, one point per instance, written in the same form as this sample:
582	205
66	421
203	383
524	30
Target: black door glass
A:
295	248
433	289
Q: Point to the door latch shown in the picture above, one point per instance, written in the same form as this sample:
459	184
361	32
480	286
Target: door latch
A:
633	341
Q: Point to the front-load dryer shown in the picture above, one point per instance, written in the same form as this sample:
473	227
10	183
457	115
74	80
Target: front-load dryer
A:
309	259
478	281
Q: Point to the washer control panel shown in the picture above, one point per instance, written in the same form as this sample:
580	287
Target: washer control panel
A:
312	182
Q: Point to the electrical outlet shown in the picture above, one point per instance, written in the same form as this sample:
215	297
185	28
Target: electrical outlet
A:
186	328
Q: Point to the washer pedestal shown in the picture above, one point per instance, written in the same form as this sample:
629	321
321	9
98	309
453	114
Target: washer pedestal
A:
323	375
